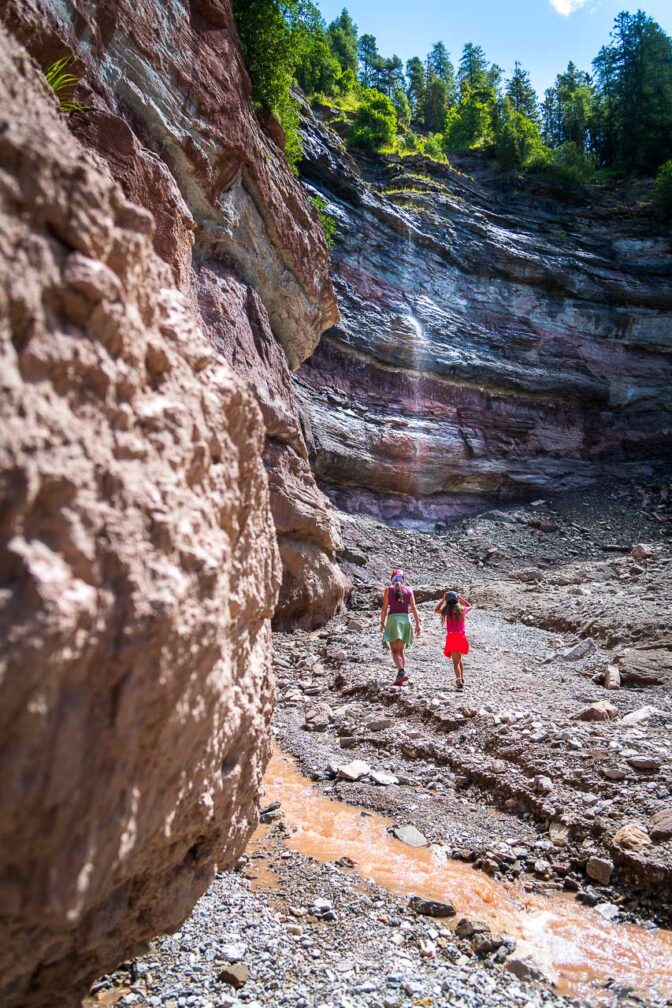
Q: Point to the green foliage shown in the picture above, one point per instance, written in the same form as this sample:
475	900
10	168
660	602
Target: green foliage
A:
436	103
470	124
522	94
342	34
274	35
662	192
634	83
61	80
518	141
328	223
432	147
566	167
369	59
417	86
375	122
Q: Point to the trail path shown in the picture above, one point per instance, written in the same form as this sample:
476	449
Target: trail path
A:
501	777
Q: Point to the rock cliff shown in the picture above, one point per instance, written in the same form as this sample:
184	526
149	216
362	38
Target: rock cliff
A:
170	114
144	262
494	343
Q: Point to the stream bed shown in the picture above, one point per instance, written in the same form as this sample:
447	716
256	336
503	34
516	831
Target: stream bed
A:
585	955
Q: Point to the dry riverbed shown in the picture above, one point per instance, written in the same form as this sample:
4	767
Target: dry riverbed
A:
544	799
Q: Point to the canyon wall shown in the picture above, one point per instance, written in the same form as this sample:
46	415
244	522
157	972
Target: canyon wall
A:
494	342
170	114
145	260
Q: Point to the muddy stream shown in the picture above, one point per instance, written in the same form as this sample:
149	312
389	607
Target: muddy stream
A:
572	943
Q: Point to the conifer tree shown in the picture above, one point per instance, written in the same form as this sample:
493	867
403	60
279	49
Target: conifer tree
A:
417	87
343	40
522	94
369	59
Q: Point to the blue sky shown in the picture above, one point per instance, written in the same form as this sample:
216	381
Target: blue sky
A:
543	34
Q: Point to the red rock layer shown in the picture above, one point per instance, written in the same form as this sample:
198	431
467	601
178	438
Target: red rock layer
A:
170	114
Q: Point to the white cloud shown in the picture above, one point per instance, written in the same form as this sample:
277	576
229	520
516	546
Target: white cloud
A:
567	7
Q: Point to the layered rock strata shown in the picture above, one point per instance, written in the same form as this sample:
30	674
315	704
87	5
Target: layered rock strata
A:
170	113
493	342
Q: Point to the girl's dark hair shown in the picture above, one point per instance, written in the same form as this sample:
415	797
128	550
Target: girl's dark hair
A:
399	591
451	609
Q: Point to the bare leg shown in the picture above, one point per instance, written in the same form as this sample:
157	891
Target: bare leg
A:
457	665
397	648
461	669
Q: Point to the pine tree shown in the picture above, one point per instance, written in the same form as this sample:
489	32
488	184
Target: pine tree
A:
417	87
473	69
369	59
436	104
389	75
438	63
634	84
522	94
343	40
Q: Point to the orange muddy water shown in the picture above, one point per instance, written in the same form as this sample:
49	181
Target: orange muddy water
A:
571	942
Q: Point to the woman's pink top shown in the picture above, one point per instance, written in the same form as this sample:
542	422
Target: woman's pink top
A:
454	623
398	606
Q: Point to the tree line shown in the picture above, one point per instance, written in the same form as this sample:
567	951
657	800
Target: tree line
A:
618	118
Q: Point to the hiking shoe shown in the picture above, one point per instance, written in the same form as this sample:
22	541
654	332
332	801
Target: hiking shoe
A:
400	680
459	685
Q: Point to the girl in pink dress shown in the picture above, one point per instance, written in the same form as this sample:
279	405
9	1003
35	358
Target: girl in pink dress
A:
453	609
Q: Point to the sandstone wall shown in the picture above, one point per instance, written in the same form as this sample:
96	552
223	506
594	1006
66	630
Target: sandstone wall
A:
494	343
172	118
138	558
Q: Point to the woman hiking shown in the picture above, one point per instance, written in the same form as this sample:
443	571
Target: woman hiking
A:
395	623
453	609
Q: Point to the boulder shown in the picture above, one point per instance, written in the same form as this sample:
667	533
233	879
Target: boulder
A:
235	975
578	651
660	825
600	869
431	908
410	836
382	778
467	928
318	718
543	784
525	968
641	552
380	724
600	710
559	833
631	836
612	678
354	771
644	763
641	715
486	943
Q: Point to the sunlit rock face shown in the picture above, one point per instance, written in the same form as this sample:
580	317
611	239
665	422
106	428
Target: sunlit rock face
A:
493	343
171	117
160	271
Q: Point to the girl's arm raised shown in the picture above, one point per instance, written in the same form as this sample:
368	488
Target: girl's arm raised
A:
440	605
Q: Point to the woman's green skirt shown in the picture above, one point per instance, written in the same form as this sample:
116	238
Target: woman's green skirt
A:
398	627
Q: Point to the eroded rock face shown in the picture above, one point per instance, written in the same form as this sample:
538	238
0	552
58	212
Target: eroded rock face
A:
172	118
139	572
493	343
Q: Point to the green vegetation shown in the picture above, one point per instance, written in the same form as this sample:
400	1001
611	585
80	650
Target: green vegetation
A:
60	80
662	193
375	122
326	220
617	120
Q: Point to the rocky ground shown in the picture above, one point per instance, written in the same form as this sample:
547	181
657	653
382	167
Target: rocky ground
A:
536	772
